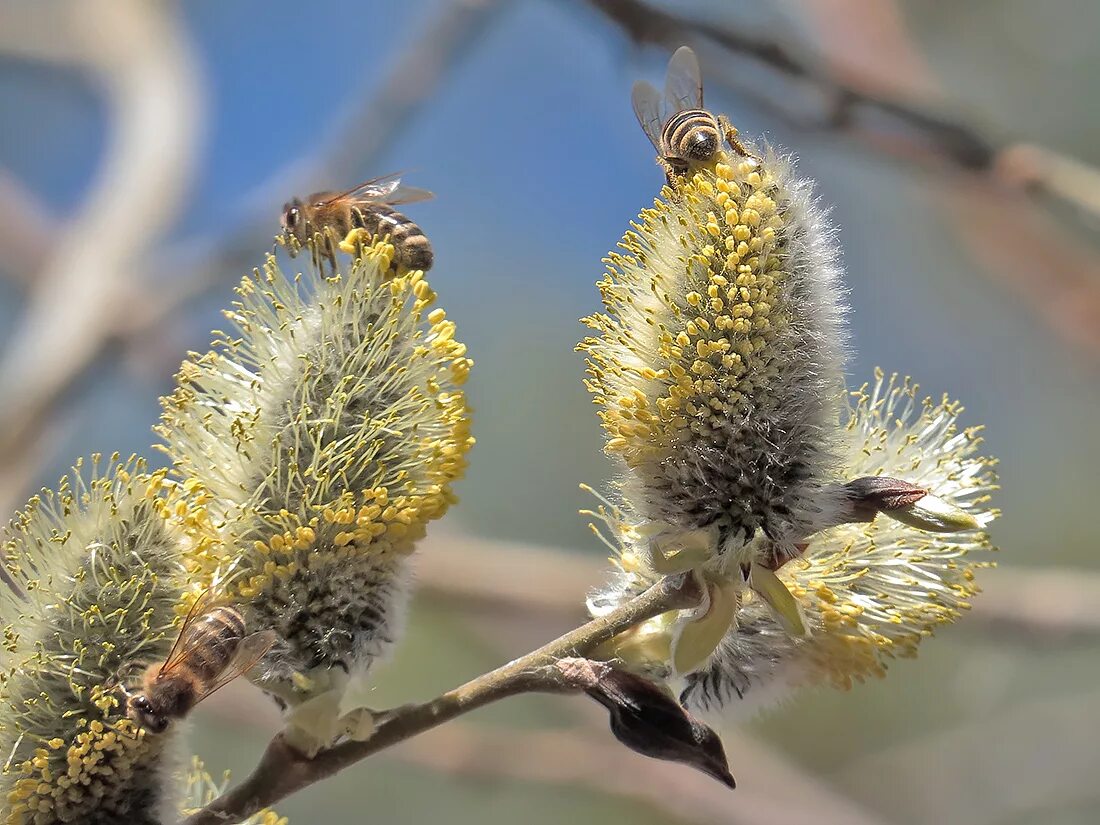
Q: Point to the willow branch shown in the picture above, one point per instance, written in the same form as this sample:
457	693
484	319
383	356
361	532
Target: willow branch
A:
284	770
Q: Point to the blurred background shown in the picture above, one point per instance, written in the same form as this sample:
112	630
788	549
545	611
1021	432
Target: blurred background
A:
147	148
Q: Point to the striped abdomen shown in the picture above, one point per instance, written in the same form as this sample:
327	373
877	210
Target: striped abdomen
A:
691	135
212	641
411	246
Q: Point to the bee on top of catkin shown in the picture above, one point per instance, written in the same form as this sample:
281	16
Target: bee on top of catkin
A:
325	219
680	129
719	355
322	437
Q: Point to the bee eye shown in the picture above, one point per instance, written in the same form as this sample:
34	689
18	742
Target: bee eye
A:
291	218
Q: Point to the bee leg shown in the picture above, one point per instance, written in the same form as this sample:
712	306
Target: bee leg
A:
330	254
736	145
121	688
673	174
315	253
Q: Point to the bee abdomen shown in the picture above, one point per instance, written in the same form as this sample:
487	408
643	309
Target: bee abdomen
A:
692	134
412	249
218	634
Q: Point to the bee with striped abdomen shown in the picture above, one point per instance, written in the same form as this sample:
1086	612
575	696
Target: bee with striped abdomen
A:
211	650
678	126
325	218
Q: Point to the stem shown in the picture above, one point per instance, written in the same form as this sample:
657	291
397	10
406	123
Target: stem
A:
284	770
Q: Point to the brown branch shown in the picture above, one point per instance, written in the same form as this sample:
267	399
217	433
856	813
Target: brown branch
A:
284	770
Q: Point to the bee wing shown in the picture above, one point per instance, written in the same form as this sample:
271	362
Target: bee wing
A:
683	82
187	637
385	189
648	109
408	194
249	652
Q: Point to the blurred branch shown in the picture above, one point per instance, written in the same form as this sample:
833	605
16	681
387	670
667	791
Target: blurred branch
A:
284	770
26	228
648	24
993	215
143	63
1045	602
1029	758
769	789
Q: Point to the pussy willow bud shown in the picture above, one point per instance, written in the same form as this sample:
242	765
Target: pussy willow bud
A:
98	576
320	438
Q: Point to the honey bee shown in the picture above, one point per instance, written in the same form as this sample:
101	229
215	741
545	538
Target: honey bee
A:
210	651
369	206
677	125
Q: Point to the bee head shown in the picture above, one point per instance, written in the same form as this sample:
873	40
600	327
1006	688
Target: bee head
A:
140	710
292	220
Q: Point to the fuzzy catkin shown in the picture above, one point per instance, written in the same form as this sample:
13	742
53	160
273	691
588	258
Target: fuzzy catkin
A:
100	576
717	367
719	355
320	439
871	592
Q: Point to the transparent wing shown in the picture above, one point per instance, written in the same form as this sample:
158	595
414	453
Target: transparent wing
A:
188	637
684	82
385	189
249	652
647	108
408	194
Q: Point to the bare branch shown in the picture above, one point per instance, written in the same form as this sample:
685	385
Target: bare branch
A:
284	770
648	24
26	227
